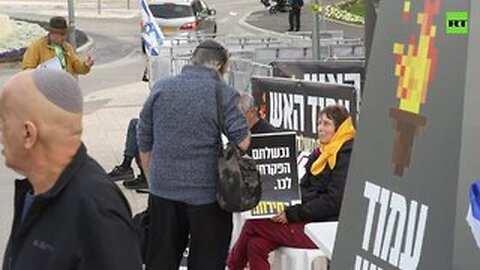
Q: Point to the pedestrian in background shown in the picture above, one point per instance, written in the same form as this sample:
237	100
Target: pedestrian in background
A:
179	142
68	214
294	15
54	46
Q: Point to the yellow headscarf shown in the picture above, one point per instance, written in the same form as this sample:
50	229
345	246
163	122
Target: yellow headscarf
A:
329	151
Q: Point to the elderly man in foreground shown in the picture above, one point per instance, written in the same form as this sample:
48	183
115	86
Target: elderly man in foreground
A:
68	215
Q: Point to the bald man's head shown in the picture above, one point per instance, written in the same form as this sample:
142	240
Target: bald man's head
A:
50	101
44	91
60	88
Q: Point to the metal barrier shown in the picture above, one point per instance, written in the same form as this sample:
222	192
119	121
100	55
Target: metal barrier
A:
327	34
240	71
177	64
250	55
238	46
327	51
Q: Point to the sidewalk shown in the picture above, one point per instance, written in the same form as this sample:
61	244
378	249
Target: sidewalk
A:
105	122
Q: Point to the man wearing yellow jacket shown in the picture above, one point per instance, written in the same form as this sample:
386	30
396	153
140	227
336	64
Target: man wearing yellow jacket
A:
55	45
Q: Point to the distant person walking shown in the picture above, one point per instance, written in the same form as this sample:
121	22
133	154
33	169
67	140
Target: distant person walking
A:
294	15
54	51
179	142
68	214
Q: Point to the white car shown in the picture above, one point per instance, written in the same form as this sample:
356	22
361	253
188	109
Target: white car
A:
181	17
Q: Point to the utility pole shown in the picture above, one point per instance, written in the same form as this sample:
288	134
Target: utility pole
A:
323	28
370	15
99	7
315	31
71	24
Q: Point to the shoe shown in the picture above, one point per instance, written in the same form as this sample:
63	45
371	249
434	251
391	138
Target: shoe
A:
298	29
138	183
120	173
145	77
142	190
290	30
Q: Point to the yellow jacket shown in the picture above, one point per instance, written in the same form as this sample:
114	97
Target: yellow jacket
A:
41	50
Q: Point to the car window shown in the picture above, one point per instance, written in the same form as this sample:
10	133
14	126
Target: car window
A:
170	11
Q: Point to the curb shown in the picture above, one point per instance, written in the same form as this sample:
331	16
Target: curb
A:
243	23
11	65
343	23
87	46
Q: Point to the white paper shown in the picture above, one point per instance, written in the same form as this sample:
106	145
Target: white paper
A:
53	63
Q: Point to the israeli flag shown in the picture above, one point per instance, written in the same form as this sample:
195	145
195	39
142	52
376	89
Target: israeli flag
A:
473	216
151	33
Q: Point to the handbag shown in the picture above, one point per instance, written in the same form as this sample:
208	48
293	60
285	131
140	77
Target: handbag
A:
239	188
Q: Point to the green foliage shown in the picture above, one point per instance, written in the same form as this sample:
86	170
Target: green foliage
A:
350	11
355	7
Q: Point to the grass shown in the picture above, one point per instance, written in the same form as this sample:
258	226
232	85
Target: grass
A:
354	6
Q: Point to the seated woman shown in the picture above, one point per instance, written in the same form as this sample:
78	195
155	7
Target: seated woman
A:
322	191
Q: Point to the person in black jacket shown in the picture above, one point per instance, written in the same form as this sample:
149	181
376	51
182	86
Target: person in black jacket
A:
68	214
294	15
322	191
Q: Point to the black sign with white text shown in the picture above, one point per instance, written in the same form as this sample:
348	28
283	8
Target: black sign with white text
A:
339	72
275	154
294	104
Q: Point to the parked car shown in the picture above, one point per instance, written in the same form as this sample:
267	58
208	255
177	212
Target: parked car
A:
181	17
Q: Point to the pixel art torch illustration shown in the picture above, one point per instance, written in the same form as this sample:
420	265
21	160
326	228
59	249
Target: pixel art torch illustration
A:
415	69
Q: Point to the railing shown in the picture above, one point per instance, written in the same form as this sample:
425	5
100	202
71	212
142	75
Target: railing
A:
340	50
251	54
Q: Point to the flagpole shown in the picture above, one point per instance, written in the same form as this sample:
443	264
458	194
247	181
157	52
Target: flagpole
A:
71	24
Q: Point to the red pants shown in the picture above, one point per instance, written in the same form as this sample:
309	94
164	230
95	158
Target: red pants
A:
259	237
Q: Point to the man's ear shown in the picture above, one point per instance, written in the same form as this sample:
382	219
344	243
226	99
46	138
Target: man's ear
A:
220	68
30	135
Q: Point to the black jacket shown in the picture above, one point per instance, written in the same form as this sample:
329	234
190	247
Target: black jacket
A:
83	222
322	194
262	126
296	3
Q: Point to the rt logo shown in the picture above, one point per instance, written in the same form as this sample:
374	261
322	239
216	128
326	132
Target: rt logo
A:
457	23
